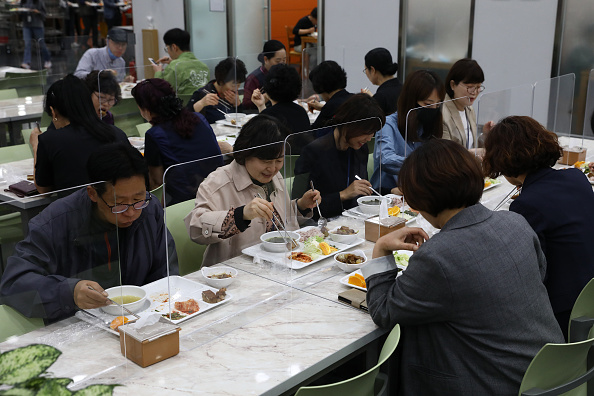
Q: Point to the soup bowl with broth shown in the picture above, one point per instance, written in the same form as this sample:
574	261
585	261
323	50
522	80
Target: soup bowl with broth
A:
131	297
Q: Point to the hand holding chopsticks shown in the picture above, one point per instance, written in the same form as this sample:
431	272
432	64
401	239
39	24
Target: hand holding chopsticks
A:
371	188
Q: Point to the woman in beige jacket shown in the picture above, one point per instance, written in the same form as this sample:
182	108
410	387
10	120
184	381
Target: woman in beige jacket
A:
229	215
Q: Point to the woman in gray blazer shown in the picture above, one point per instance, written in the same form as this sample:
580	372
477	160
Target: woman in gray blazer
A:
472	304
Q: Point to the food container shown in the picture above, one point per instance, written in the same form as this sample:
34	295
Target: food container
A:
571	155
374	229
350	267
341	238
127	290
280	246
150	344
237	117
218	283
371	209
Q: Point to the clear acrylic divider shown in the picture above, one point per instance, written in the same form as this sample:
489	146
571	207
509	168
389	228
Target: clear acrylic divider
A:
588	130
187	77
312	57
54	247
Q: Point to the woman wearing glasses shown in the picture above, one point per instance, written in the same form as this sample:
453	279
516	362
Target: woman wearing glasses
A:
105	93
176	136
463	85
76	131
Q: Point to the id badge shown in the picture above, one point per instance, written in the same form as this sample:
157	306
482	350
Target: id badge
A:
28	17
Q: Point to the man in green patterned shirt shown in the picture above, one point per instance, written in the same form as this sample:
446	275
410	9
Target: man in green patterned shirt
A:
184	71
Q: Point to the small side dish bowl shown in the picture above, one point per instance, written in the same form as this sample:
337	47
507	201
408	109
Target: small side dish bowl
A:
368	208
124	291
347	239
238	117
277	247
350	267
208	272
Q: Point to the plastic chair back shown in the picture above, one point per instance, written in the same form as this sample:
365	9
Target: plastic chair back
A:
189	253
126	116
158	192
10	93
581	319
291	46
15	153
361	385
289	166
15	324
26	134
558	369
142	128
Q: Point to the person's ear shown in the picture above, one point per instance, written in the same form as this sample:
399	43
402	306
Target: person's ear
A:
92	193
452	84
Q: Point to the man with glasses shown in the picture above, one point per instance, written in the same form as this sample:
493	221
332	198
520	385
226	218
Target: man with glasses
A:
106	58
112	232
184	71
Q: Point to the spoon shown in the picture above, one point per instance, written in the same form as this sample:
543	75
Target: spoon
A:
358	178
322	222
291	244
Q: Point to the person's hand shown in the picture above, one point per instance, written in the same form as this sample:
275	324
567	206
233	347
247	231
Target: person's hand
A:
403	239
129	78
85	298
309	199
34	137
225	147
259	99
157	68
311	30
258	207
488	126
210	99
164	59
314	105
231	97
366	91
356	188
396	191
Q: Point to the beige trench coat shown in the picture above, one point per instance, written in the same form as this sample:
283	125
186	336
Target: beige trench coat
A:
229	187
453	129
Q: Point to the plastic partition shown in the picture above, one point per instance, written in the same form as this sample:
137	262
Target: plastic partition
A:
588	130
312	57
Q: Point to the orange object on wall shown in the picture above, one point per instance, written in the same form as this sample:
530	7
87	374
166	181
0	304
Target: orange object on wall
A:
287	12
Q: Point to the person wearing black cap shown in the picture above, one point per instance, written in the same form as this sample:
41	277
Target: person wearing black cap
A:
306	25
106	58
273	53
380	70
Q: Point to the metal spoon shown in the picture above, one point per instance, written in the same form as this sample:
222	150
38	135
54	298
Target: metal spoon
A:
322	222
119	305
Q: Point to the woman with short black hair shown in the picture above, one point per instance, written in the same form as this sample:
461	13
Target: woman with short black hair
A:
236	203
329	81
273	53
556	203
381	70
471	304
220	95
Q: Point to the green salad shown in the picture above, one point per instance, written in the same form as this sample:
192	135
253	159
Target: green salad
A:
401	259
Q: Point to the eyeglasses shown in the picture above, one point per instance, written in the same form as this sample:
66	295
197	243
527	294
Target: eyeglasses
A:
112	101
118	44
473	88
166	48
121	208
365	70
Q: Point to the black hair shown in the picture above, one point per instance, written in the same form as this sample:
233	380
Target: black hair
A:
359	115
465	71
261	137
381	60
327	77
270	48
179	37
230	69
104	82
112	162
71	98
283	83
314	13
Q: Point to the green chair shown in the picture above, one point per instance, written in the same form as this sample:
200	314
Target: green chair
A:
370	166
26	133
371	145
158	192
11	230
189	253
10	93
15	324
142	128
26	84
289	166
581	318
126	116
289	185
558	369
15	153
366	384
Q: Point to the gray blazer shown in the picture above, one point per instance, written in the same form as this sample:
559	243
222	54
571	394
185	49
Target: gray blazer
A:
472	306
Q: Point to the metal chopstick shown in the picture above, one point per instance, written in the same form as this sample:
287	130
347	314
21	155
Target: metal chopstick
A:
516	188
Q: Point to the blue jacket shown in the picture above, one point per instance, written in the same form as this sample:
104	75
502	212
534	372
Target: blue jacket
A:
390	151
68	243
559	205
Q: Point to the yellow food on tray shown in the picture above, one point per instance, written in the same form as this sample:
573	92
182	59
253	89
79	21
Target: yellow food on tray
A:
579	164
487	183
357	280
327	249
117	322
394	211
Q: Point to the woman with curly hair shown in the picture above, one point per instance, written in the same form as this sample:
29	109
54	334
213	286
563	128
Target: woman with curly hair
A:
556	203
177	136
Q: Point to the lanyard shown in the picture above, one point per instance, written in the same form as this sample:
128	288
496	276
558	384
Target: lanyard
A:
348	169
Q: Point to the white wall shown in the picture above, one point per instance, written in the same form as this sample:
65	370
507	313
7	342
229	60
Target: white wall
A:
353	27
165	15
208	30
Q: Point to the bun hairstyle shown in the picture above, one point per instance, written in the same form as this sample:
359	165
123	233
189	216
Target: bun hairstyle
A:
381	60
157	96
270	48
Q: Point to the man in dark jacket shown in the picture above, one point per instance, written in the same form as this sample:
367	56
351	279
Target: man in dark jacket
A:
110	233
